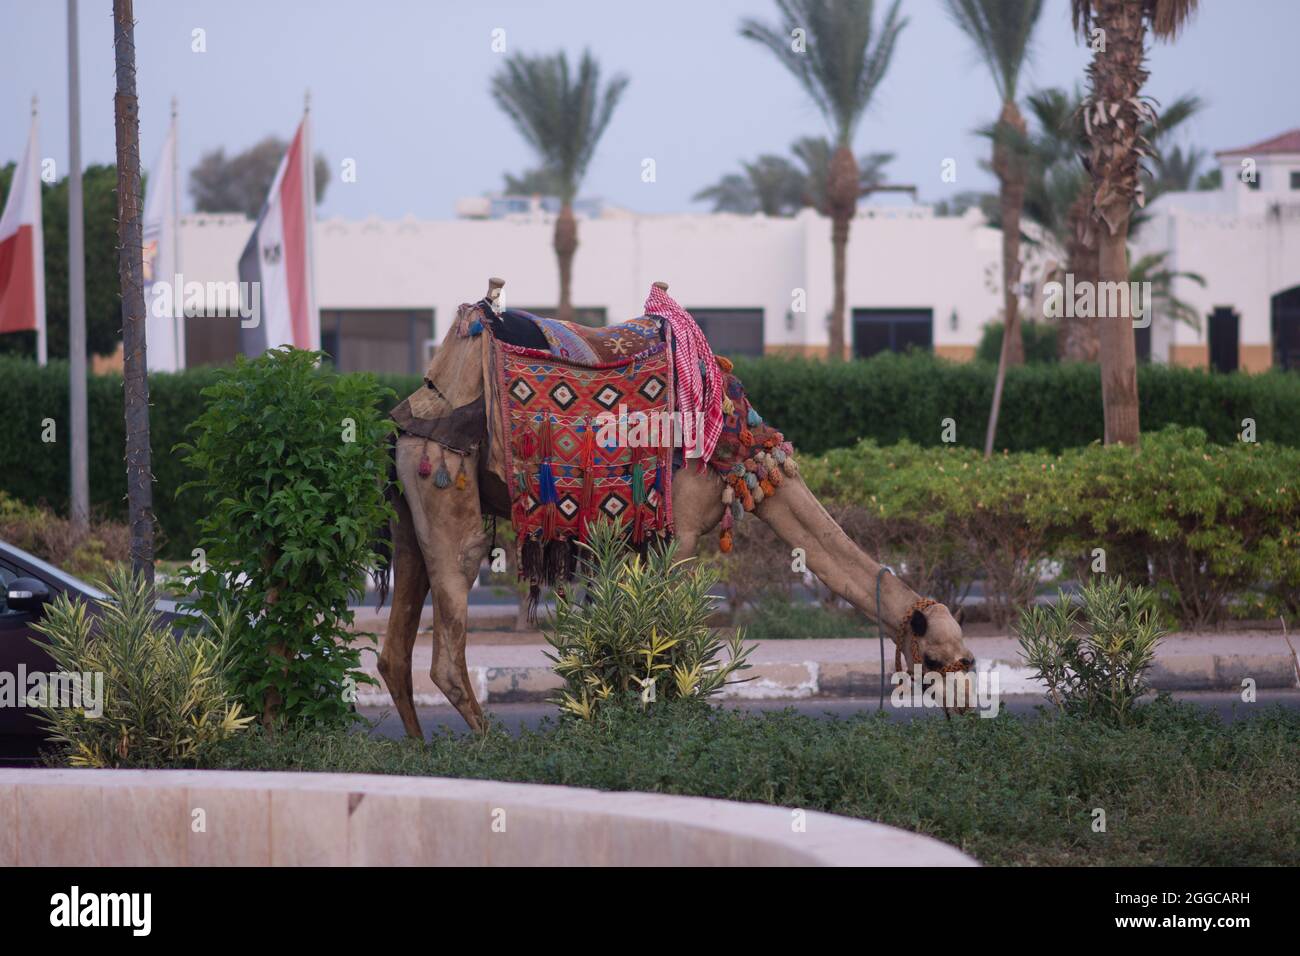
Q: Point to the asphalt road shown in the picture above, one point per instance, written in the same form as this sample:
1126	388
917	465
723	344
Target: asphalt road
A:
514	717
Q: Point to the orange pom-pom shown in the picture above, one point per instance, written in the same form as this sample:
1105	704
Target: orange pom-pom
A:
746	437
767	486
724	542
724	363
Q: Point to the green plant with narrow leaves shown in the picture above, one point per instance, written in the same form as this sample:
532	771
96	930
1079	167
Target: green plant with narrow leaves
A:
640	630
1093	655
166	702
293	466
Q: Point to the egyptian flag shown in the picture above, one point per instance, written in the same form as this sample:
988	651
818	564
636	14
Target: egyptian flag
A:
278	259
22	253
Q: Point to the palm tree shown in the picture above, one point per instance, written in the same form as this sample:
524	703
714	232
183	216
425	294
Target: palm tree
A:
1114	118
771	185
1058	196
1002	30
816	154
562	116
1153	268
835	51
776	187
130	270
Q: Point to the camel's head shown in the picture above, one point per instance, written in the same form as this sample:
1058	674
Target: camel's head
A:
932	637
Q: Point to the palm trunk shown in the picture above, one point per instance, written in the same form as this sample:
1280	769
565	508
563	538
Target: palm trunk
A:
1118	350
842	199
566	244
1009	165
1076	339
130	268
1117	115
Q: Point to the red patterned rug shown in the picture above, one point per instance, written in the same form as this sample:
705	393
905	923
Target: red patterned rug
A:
570	462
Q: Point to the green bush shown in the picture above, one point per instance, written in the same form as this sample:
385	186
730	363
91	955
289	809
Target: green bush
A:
40	532
640	620
777	618
36	471
292	465
165	702
1211	528
1093	655
1039	339
891	398
1180	787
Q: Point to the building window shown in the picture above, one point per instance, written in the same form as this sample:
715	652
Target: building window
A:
1295	179
376	340
892	330
731	331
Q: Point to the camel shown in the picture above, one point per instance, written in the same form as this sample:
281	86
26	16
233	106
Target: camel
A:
439	539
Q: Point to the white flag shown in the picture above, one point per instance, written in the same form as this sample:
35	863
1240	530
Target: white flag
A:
164	302
22	251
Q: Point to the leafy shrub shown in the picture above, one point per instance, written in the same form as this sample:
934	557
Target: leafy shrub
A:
641	619
41	532
1093	657
1039	340
777	618
35	471
292	464
1211	528
165	702
890	398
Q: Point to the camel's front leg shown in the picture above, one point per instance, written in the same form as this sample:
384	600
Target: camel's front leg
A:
410	588
449	527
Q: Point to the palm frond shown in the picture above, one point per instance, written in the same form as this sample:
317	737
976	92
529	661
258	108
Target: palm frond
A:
1002	31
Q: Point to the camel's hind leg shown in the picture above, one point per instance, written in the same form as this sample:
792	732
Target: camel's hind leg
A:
410	588
449	527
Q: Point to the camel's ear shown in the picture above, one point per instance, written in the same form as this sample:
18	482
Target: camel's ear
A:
919	623
960	616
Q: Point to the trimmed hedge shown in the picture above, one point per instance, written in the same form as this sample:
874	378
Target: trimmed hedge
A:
888	398
1214	529
35	471
891	398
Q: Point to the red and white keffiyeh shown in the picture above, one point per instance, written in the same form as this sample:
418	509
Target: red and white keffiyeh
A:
695	391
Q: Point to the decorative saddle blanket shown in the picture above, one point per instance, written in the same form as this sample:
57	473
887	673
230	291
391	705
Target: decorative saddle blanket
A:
582	442
584	345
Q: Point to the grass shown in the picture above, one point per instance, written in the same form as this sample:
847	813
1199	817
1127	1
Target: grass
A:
1179	787
776	619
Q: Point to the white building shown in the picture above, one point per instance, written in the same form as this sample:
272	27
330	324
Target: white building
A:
388	289
1244	240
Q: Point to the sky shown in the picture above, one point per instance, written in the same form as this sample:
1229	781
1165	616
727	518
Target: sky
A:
401	88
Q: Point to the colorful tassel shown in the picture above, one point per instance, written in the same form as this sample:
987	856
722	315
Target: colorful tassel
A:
441	477
728	495
426	467
724	542
759	495
790	467
525	444
751	481
728	520
737	510
766	487
754	419
724	363
728	406
746	437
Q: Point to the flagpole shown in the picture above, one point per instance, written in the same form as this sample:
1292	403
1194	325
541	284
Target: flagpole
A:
38	256
313	314
178	308
78	457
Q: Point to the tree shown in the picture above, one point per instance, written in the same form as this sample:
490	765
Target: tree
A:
1002	31
776	187
103	298
1115	117
838	56
562	117
240	183
532	182
130	265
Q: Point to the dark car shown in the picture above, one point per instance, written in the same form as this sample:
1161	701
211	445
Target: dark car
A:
27	585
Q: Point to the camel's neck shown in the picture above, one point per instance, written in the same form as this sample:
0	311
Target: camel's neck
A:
801	521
